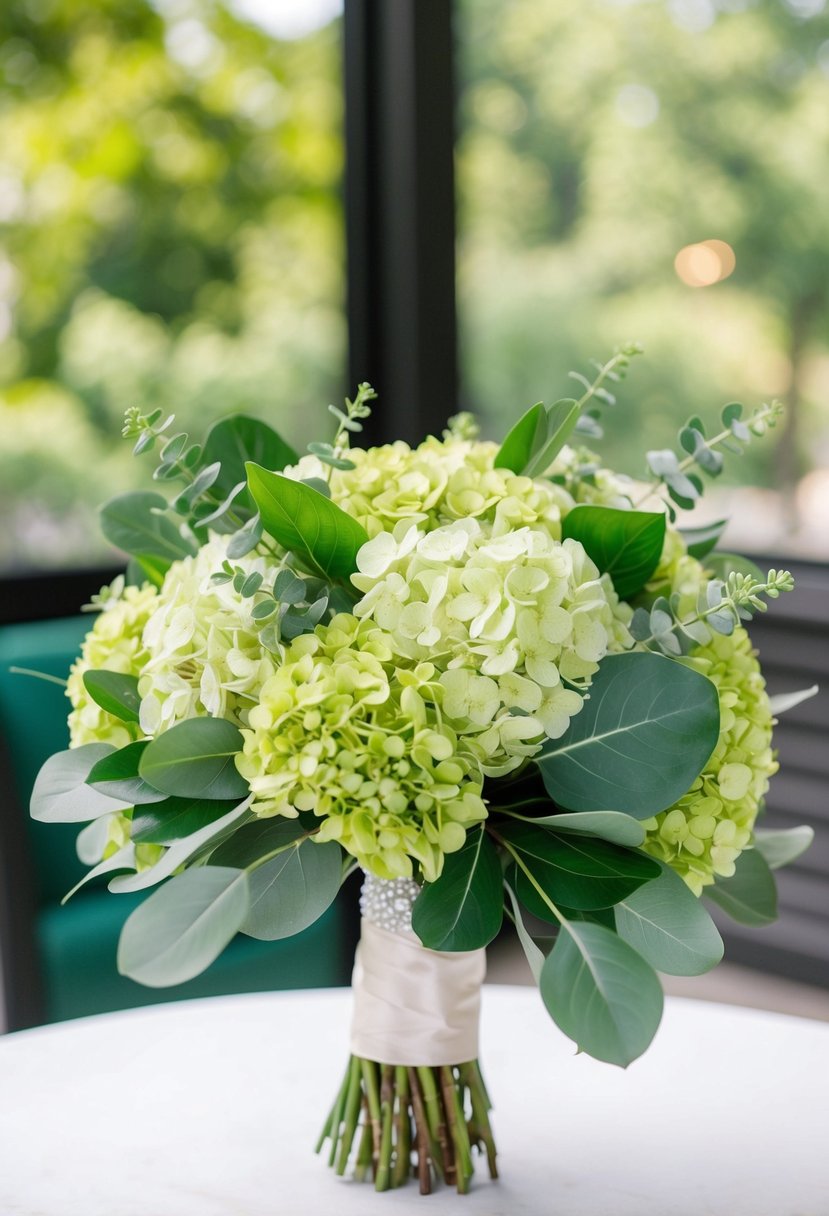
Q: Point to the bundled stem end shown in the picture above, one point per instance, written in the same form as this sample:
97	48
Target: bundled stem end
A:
401	1122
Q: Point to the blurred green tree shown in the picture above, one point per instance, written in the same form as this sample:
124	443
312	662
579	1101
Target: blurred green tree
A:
171	235
598	139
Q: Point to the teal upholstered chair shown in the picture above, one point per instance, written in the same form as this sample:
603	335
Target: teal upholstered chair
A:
59	962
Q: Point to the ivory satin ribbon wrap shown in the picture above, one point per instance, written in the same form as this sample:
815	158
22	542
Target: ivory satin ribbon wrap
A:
414	1006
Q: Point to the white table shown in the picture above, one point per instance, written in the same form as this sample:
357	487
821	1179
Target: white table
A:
196	1109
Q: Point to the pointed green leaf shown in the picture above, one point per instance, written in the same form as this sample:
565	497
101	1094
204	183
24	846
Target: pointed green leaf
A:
702	540
306	523
464	907
627	545
514	453
124	859
117	775
642	708
560	419
115	692
234	441
666	923
785	701
601	993
535	956
195	759
60	793
293	889
180	930
750	895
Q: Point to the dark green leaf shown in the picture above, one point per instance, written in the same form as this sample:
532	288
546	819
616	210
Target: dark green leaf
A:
784	846
196	759
306	523
60	793
626	545
117	775
188	849
181	929
701	541
233	442
464	907
115	692
175	818
575	871
666	923
642	739
750	895
601	993
293	889
136	523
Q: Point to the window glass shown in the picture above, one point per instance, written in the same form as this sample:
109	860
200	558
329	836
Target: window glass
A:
655	170
171	235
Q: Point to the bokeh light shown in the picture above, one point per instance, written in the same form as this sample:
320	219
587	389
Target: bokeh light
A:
705	263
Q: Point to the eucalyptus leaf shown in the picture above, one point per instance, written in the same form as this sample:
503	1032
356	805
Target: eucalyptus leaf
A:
464	907
293	889
117	775
627	545
60	793
115	692
601	993
778	848
92	841
702	540
574	871
665	922
641	706
123	859
179	931
195	758
256	840
136	523
306	523
182	851
750	895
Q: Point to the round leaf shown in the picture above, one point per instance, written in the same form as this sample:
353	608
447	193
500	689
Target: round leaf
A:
196	759
750	895
640	741
666	923
183	927
292	890
601	993
117	775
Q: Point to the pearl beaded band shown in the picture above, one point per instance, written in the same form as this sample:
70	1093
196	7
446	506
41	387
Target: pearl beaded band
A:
412	1006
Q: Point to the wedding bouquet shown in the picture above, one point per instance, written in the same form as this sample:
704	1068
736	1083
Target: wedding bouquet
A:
500	680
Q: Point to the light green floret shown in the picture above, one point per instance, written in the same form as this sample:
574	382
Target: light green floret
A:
703	834
114	643
341	731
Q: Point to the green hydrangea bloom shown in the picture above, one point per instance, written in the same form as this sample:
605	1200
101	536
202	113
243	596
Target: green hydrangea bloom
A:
203	655
516	621
343	732
703	834
114	643
436	483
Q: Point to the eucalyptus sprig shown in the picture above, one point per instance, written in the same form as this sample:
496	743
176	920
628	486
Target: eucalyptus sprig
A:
613	370
284	607
679	478
348	423
722	606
